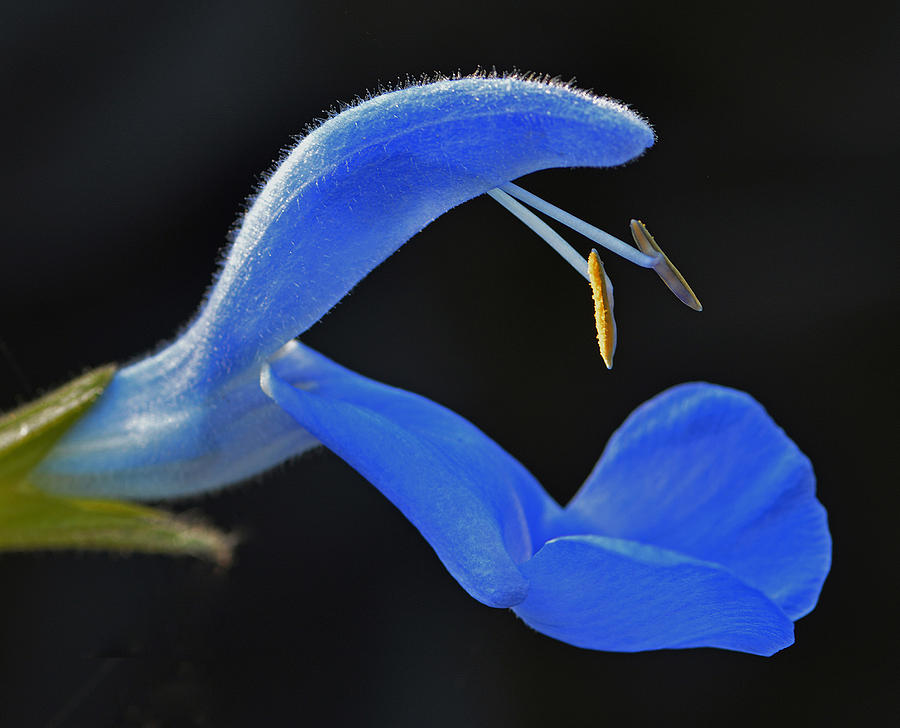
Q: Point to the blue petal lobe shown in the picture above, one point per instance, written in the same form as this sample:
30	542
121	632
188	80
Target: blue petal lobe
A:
610	594
703	470
470	499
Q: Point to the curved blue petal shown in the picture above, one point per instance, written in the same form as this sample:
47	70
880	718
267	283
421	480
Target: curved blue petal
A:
703	470
470	499
364	182
348	195
611	594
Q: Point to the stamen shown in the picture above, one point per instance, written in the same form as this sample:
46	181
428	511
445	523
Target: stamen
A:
602	289
550	236
663	266
649	255
600	237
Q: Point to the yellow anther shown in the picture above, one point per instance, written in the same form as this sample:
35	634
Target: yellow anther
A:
664	268
602	289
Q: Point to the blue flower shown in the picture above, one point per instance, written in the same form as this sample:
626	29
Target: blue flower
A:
699	526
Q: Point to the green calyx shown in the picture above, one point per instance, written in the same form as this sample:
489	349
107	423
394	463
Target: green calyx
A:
33	520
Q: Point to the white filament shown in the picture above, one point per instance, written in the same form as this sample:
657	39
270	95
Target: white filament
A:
609	242
550	236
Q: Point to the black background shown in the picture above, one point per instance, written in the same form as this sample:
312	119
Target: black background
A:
133	134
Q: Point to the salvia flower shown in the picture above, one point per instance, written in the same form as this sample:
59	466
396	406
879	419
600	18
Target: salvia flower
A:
699	526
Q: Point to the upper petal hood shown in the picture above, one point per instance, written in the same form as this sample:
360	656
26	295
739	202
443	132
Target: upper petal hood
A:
364	182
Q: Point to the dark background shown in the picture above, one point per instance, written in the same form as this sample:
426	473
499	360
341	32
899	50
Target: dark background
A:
132	136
